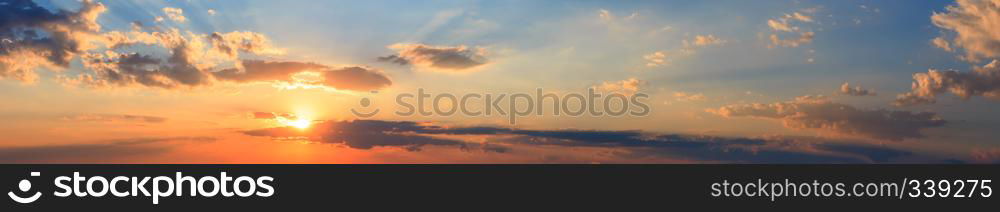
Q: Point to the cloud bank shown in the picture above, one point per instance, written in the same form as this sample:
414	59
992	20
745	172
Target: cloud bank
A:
365	134
34	38
819	113
636	145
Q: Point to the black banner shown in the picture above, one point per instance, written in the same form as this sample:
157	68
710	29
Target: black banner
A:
518	187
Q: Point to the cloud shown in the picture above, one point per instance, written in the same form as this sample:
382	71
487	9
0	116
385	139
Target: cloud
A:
346	78
191	63
982	81
846	89
107	151
355	78
114	118
942	43
33	37
819	113
789	24
803	38
212	12
785	23
368	134
975	25
440	58
689	47
250	42
799	16
605	15
707	40
270	115
627	87
986	156
779	25
394	59
689	97
656	59
175	14
256	70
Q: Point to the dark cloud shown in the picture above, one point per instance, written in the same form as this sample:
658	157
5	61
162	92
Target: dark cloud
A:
230	44
846	89
812	112
114	118
703	148
124	70
394	59
982	81
256	70
443	58
355	78
33	36
108	151
366	134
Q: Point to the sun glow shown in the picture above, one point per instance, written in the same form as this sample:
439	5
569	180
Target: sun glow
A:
296	122
300	123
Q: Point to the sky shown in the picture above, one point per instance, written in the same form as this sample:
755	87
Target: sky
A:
209	81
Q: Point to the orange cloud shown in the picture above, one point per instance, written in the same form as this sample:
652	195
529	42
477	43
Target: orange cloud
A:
982	81
976	26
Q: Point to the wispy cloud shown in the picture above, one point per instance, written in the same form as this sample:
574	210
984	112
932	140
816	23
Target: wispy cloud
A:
440	58
105	151
114	118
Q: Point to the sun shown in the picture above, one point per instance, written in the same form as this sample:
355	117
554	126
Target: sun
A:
300	124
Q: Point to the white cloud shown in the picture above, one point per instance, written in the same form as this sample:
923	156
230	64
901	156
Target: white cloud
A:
175	14
656	59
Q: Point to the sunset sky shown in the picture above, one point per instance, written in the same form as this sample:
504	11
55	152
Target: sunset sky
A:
260	81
